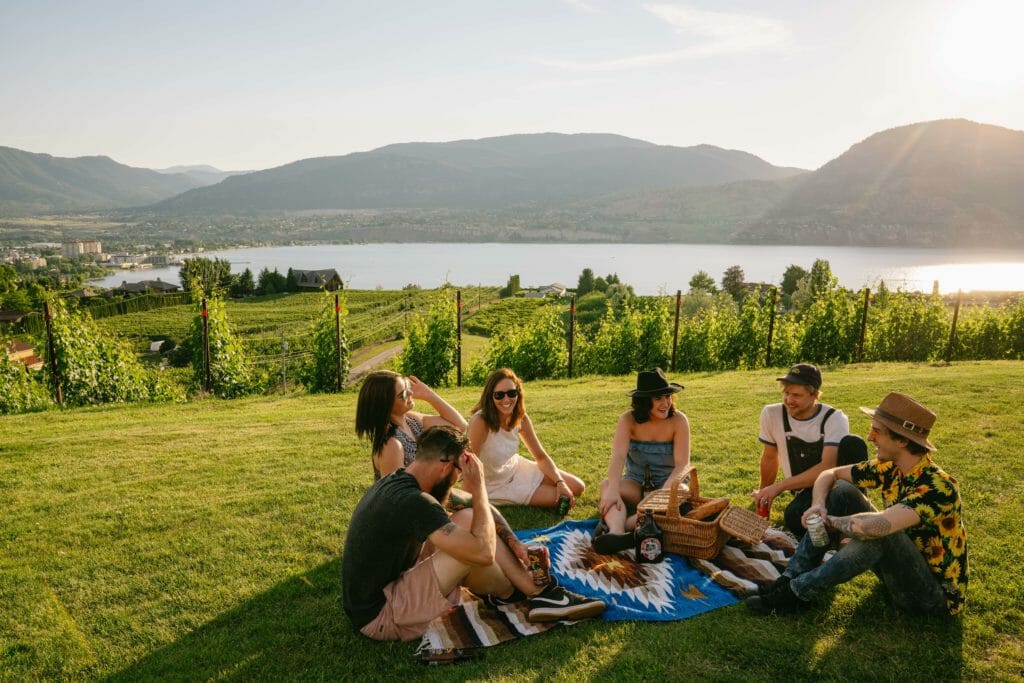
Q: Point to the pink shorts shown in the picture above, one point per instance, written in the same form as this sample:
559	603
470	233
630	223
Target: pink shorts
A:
414	600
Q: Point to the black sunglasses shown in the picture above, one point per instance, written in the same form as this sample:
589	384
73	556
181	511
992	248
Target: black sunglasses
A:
511	393
455	461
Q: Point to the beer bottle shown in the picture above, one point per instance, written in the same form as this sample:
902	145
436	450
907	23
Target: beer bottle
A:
648	539
648	485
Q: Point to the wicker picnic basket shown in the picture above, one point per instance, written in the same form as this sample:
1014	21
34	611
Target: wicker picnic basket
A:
696	538
682	535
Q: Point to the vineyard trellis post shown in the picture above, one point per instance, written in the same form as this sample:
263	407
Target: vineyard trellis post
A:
572	330
774	303
337	339
675	329
863	324
284	364
207	383
54	372
458	338
952	329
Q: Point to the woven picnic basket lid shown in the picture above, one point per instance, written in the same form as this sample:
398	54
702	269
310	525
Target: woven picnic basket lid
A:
743	524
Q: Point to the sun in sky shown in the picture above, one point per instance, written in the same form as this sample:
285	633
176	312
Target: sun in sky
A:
977	47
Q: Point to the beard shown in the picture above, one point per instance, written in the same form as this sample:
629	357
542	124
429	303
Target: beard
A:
443	487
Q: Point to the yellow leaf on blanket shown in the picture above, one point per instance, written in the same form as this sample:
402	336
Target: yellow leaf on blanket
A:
693	593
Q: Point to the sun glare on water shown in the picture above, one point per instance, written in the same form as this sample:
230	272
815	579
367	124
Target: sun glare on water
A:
977	48
978	277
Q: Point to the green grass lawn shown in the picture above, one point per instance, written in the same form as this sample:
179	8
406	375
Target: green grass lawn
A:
203	541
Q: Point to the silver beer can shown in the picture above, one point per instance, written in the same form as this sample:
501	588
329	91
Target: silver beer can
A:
816	530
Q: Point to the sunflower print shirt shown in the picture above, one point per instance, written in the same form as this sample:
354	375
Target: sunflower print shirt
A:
940	535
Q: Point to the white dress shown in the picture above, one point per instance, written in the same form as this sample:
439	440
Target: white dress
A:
510	478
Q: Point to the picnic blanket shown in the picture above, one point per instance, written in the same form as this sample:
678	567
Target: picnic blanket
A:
674	589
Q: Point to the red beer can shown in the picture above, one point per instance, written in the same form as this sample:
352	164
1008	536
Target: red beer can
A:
764	507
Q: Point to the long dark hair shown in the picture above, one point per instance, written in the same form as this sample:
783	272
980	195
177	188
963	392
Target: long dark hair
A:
373	409
642	408
489	412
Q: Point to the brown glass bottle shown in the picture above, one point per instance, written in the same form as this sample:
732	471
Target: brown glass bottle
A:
648	539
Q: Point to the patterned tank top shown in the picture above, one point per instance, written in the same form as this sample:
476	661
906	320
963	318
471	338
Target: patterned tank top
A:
408	443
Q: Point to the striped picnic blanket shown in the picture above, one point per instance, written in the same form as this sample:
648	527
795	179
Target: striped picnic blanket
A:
674	589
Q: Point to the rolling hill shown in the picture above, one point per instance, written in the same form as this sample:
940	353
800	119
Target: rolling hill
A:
38	183
515	170
938	183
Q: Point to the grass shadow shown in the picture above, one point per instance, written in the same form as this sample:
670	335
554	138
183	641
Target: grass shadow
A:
296	630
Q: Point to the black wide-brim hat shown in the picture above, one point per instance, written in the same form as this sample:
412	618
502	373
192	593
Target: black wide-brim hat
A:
654	383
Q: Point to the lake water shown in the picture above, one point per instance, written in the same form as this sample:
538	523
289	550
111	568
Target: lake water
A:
650	268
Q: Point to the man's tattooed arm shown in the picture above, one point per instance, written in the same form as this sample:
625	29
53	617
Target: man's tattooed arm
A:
503	529
864	526
459	500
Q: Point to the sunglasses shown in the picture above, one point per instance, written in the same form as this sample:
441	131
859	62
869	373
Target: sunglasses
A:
404	394
455	461
511	393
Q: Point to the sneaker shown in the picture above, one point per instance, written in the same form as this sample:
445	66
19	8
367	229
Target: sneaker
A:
555	603
781	582
781	601
607	543
496	602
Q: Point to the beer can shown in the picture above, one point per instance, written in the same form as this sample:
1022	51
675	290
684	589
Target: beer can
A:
540	564
563	505
764	507
816	530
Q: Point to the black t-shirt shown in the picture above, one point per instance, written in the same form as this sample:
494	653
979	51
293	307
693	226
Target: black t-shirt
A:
384	538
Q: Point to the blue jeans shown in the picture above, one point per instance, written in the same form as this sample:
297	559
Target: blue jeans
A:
852	450
894	558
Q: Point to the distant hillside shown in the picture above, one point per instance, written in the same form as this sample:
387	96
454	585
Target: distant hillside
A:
516	170
939	183
39	183
201	173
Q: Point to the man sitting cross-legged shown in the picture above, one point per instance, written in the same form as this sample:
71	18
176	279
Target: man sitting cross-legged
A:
405	558
917	545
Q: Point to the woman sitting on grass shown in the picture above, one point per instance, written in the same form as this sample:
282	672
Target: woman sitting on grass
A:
498	423
384	415
652	442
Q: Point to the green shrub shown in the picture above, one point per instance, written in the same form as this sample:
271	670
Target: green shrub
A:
830	327
638	338
21	390
981	333
906	326
231	374
430	346
330	355
535	349
93	368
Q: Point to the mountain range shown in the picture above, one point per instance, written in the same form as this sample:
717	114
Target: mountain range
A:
939	183
517	170
39	183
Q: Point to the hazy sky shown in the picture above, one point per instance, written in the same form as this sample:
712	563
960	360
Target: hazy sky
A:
256	84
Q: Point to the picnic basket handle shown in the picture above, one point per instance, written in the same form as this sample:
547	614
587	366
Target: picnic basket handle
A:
673	494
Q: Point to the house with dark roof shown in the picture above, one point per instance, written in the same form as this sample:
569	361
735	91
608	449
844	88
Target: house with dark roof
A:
157	285
24	353
327	278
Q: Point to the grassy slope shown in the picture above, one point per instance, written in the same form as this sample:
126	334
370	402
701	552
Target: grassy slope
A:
203	540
